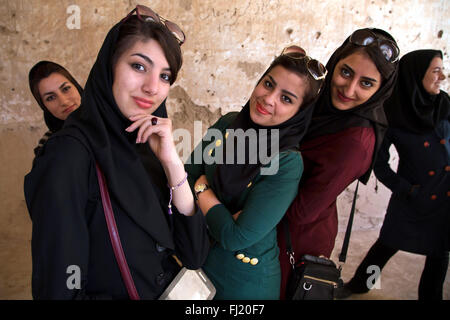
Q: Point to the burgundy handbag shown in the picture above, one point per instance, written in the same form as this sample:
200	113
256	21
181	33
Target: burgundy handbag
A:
114	235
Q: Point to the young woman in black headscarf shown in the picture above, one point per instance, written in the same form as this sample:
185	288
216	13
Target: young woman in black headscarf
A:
417	219
136	65
243	193
57	93
345	133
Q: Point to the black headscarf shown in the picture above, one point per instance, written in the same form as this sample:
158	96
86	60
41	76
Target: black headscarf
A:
328	120
231	179
41	70
411	107
134	175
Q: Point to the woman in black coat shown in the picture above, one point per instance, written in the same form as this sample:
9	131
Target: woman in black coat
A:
418	216
128	83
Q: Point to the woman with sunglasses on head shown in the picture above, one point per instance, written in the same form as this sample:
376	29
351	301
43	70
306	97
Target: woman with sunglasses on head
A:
241	201
56	92
340	146
120	129
417	218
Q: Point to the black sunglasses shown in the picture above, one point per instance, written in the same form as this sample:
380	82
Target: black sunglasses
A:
387	47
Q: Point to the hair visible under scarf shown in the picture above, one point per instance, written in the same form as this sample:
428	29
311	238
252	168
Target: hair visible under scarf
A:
231	179
39	71
410	107
135	177
328	120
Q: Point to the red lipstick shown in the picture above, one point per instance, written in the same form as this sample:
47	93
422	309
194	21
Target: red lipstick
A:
143	103
261	109
343	98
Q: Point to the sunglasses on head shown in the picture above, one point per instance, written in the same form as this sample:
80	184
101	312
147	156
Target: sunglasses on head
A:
146	14
315	68
387	47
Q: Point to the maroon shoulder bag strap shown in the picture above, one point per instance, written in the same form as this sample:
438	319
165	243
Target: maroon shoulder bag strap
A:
114	235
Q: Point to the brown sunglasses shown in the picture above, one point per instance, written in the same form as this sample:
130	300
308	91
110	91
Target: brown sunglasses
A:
146	14
315	67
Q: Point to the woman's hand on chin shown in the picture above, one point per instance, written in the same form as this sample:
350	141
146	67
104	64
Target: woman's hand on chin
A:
158	133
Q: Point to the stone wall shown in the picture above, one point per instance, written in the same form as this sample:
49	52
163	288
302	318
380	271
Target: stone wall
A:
229	45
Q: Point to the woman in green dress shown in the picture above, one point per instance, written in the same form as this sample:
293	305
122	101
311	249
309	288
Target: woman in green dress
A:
249	173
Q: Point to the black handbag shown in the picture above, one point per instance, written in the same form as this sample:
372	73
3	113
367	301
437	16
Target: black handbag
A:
313	278
316	278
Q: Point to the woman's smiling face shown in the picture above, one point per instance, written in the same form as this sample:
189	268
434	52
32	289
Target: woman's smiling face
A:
277	97
434	76
141	78
355	79
59	95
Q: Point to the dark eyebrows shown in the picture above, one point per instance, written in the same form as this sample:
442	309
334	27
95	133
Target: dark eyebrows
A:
284	91
60	87
365	78
148	60
349	68
370	79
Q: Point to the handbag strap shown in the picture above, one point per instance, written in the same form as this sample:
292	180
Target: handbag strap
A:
343	255
114	235
287	236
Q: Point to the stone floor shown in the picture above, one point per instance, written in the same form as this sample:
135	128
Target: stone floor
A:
400	277
399	280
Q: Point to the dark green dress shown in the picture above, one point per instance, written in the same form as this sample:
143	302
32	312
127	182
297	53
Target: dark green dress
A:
253	235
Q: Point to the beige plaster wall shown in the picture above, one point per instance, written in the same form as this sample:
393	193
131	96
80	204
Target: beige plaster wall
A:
229	45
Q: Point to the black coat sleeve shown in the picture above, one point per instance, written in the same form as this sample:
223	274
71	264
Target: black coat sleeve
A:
191	239
396	183
56	193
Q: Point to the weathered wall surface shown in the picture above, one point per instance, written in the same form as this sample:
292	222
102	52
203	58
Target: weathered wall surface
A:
229	45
